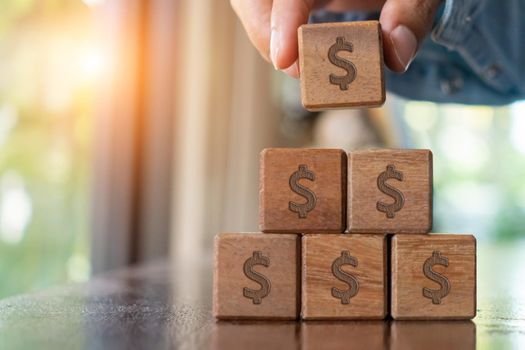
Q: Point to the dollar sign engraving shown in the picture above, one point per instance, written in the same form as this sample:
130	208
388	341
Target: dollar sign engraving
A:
351	71
256	295
399	200
436	295
345	295
302	209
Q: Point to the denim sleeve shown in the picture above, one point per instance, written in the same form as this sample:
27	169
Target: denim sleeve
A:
474	55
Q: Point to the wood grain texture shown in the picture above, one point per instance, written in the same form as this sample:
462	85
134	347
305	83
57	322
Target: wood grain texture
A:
409	256
349	335
433	335
316	66
232	250
364	192
278	165
319	253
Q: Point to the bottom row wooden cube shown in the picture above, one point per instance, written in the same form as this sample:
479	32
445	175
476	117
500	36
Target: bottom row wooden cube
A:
344	276
256	276
433	276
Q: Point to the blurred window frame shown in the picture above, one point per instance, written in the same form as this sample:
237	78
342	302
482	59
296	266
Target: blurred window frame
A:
130	219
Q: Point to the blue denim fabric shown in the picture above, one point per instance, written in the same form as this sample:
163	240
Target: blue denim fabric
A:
474	55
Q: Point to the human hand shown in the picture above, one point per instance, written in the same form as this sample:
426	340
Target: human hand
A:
272	26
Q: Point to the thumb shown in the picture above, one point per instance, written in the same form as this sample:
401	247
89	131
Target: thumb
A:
405	23
287	16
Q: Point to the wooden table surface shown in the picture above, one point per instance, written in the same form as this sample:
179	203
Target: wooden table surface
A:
162	305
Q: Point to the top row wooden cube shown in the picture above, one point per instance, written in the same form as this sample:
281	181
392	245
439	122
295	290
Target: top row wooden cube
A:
307	191
341	65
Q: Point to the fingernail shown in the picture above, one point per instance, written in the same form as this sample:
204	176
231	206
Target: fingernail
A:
274	47
405	45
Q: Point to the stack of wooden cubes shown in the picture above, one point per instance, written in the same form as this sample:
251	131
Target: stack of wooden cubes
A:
345	236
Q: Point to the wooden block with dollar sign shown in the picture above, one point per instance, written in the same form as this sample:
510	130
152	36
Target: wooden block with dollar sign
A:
341	65
256	276
433	276
344	277
302	190
390	191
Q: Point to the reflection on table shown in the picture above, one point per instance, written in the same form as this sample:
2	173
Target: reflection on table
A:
345	335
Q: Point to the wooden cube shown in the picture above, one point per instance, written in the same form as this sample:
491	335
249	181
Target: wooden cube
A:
450	335
253	335
433	276
344	277
302	190
256	276
344	335
341	65
390	191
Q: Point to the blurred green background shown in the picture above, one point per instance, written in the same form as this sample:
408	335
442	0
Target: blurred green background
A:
48	71
478	166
